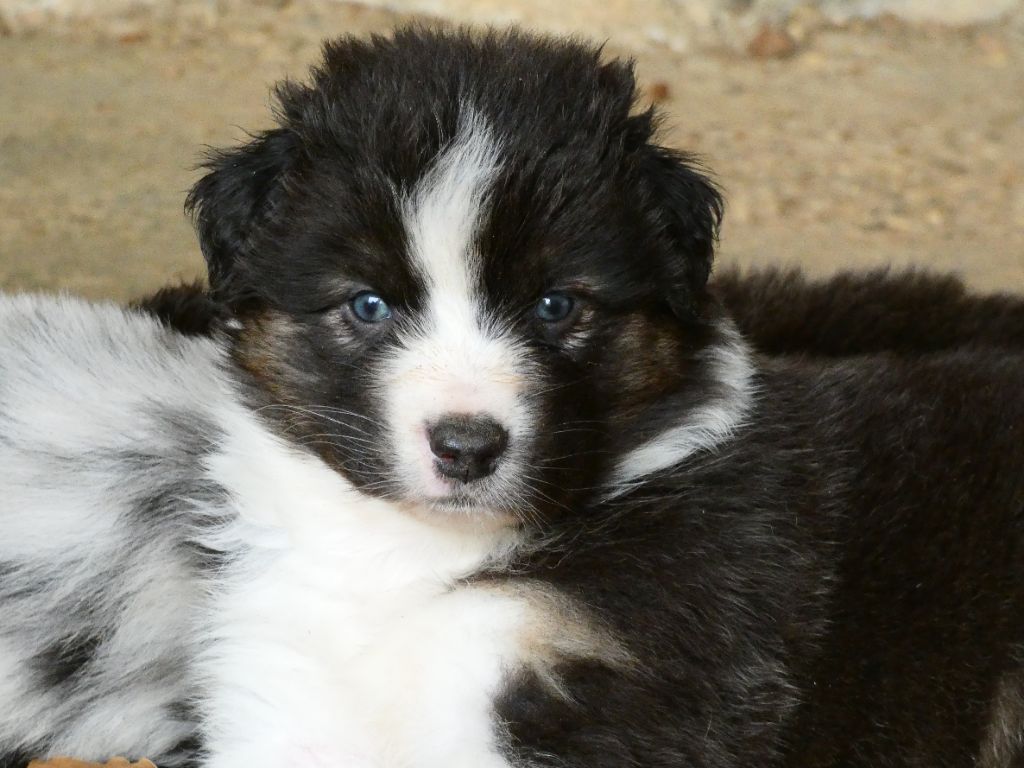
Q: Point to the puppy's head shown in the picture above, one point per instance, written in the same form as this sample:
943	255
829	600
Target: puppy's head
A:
461	270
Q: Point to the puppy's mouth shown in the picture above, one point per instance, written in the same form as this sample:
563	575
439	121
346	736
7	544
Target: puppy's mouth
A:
477	498
459	504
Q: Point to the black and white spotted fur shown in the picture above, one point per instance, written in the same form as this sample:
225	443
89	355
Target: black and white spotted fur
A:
239	544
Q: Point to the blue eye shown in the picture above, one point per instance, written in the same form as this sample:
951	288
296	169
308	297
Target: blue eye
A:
370	308
554	307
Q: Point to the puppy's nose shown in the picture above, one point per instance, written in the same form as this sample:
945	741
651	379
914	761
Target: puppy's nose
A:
467	447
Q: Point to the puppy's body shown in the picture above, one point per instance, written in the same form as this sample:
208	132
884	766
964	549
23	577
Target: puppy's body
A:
782	312
836	610
476	472
167	562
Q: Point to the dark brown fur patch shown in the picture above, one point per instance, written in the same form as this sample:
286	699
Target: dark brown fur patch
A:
651	358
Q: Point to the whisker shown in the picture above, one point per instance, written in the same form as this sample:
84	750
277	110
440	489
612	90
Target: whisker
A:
321	411
341	438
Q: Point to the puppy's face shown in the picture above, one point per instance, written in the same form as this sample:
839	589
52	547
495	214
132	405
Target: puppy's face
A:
460	272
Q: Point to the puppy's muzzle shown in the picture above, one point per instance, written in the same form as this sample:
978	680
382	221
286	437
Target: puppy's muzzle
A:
467	447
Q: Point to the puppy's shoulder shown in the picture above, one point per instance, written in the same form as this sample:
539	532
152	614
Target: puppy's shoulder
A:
41	332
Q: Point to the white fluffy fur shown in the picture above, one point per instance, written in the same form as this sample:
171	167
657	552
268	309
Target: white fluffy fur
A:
338	634
322	637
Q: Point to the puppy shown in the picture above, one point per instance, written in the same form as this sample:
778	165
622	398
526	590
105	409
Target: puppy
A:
476	471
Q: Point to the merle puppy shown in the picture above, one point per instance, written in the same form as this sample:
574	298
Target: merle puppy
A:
475	471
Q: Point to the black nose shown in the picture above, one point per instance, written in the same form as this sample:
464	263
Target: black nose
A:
467	447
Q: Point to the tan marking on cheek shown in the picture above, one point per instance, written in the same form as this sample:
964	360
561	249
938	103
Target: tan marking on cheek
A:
651	358
262	348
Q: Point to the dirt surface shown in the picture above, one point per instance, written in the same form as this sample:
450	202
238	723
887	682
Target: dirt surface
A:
871	144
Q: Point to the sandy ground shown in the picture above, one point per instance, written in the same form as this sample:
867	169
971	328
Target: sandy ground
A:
874	144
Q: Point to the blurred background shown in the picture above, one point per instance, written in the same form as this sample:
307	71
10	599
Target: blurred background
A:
844	132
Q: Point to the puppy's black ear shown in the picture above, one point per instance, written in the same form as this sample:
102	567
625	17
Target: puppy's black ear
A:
233	204
685	209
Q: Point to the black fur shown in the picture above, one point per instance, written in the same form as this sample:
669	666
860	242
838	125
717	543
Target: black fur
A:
856	313
67	659
800	599
187	442
187	308
19	759
188	753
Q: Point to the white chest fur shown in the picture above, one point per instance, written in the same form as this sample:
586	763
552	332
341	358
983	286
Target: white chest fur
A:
340	638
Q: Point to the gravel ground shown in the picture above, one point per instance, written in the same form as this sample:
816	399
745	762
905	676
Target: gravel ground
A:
875	143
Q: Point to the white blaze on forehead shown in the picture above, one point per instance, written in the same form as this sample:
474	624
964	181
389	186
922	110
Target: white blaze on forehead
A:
456	359
442	217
